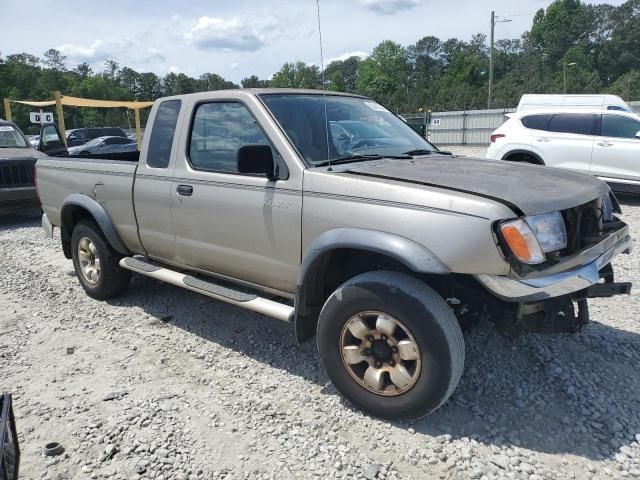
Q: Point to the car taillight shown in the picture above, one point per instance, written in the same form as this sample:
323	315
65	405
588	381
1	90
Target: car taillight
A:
496	136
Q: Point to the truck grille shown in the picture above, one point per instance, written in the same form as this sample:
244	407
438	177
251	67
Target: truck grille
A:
16	175
584	225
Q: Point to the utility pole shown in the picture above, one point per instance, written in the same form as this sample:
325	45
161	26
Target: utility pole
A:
491	41
493	27
564	74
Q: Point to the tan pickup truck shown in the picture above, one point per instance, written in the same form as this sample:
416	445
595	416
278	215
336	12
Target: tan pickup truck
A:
329	212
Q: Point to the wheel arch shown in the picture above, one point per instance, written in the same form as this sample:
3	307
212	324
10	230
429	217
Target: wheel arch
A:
339	254
516	152
76	207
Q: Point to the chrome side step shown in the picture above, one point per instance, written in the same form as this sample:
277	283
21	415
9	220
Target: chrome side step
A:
211	289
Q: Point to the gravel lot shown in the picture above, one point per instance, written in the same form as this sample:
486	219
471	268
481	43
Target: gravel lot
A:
165	384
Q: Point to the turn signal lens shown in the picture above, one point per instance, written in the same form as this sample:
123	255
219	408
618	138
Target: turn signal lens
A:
522	241
496	136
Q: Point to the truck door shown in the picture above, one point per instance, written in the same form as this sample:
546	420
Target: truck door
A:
242	226
152	187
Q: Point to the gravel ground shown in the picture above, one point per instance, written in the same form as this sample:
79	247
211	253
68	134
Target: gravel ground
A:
164	384
469	151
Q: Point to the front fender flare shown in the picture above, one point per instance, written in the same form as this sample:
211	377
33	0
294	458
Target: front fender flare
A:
408	252
98	213
411	254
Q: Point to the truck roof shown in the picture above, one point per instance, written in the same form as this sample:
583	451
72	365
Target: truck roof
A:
262	91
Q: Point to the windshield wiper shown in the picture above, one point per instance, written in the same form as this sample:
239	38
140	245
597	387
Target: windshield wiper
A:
419	151
360	158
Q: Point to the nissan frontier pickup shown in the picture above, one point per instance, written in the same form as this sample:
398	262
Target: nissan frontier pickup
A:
327	211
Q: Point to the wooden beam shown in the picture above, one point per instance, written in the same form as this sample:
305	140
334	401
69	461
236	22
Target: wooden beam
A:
7	110
138	129
60	114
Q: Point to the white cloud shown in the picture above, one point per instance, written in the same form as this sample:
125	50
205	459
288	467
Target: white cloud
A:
389	7
344	56
119	49
234	66
174	69
154	54
97	52
217	33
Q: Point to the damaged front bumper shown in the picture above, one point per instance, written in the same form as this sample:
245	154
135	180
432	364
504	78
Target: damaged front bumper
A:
578	276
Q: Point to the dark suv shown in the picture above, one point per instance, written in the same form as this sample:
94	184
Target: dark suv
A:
80	136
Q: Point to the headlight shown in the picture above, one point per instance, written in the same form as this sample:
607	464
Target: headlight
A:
549	230
529	238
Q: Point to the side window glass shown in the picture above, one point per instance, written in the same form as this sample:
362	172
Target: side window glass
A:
219	130
577	123
536	122
162	131
619	127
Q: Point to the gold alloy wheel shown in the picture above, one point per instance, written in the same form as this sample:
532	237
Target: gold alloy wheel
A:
88	260
380	353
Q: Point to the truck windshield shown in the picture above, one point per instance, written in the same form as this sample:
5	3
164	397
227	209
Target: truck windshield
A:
10	137
355	127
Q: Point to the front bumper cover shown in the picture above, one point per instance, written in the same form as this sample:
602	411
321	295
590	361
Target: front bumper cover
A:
581	272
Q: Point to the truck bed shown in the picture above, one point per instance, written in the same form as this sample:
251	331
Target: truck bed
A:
108	181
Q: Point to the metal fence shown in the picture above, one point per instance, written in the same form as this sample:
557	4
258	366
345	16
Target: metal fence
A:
466	127
469	127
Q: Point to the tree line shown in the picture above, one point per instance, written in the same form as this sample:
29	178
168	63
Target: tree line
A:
597	46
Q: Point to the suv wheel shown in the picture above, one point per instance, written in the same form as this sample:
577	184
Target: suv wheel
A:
96	263
391	345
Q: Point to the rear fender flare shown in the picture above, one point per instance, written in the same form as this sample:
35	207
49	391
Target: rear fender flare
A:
97	212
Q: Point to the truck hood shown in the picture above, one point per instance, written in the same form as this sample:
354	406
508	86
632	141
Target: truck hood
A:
19	154
530	189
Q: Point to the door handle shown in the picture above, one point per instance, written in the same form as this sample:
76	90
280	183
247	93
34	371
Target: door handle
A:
542	139
605	144
184	190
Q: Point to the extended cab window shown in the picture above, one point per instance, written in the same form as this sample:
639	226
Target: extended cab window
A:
162	131
577	123
619	127
219	130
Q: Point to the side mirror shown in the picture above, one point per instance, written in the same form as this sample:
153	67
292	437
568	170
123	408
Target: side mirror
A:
51	141
257	160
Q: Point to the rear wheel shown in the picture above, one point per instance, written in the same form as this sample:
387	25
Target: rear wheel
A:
391	345
96	263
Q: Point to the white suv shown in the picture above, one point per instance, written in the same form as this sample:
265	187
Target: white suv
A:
604	143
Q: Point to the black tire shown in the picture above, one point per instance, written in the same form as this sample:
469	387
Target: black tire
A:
427	317
113	279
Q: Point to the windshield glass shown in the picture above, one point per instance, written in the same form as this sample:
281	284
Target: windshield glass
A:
357	127
10	137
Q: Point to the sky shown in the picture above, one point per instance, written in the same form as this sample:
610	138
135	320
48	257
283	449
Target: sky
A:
238	38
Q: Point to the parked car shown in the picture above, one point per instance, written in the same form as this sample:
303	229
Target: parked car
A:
34	140
17	160
382	252
604	143
547	101
80	136
104	145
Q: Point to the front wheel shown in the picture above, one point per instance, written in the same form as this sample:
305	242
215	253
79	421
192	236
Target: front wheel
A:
391	345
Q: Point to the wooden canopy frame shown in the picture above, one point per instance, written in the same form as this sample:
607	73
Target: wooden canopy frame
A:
60	100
